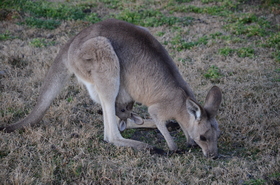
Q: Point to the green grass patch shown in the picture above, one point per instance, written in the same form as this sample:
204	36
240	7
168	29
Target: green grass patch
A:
231	39
275	175
216	35
46	15
255	182
56	10
241	52
226	51
12	4
69	99
151	18
213	73
189	8
217	10
160	34
185	60
41	23
221	10
6	36
277	56
247	24
227	38
248	30
128	133
242	18
113	4
273	41
245	52
180	44
39	43
93	18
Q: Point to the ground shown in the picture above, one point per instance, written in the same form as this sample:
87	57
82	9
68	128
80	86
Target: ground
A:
232	44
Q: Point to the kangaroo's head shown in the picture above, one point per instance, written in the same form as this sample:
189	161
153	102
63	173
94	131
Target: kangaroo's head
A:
203	127
124	112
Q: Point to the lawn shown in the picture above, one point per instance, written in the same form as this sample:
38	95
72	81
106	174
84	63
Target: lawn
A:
232	44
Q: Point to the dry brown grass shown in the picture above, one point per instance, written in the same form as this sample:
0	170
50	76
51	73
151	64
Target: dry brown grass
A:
67	146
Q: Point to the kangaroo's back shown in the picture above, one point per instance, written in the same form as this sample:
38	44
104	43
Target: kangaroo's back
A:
146	68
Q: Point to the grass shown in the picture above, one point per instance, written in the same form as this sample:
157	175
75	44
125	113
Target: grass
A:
255	182
13	111
54	10
151	18
241	52
224	9
226	51
273	42
6	36
180	44
38	42
213	73
232	44
112	4
245	52
248	30
41	23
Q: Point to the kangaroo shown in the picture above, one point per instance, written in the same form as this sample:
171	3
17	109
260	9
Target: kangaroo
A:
124	112
120	63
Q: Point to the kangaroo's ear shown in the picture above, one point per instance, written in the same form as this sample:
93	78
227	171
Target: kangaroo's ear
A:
136	119
129	106
213	101
194	109
122	125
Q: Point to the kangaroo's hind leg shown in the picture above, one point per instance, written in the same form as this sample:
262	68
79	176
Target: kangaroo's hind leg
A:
98	66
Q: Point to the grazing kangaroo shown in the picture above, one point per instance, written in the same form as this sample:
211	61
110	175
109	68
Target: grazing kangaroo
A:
120	63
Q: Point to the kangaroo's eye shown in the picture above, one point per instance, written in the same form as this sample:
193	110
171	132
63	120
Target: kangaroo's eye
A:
122	110
202	138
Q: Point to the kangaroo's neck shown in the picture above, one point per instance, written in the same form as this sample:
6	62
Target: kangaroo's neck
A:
185	86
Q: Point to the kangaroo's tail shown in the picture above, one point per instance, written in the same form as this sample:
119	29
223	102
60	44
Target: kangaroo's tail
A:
56	78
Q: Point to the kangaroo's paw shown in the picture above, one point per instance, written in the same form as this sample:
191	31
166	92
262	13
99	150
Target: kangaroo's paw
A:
131	143
158	151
